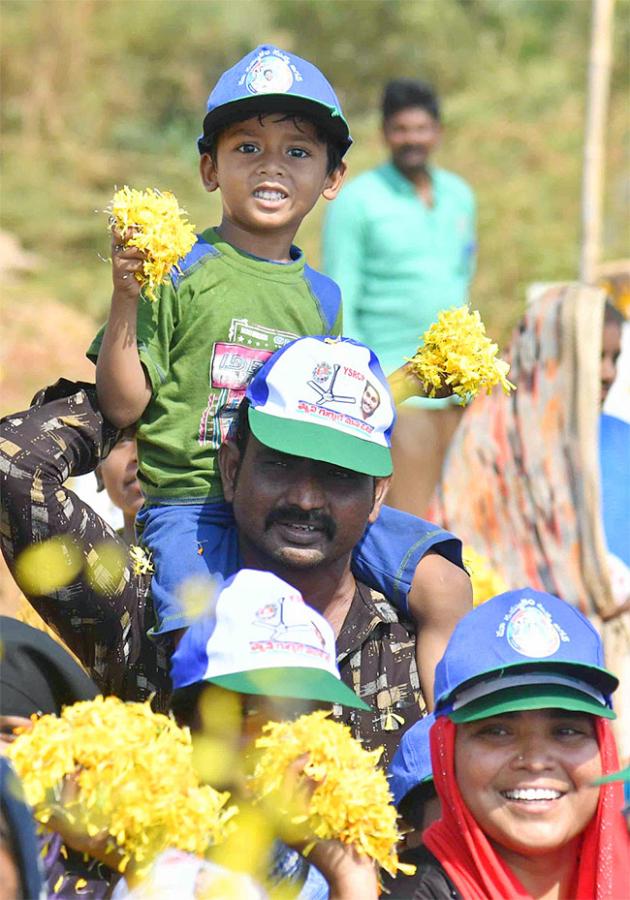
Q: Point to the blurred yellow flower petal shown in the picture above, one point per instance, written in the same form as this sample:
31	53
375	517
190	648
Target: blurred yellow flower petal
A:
47	567
197	596
486	581
247	847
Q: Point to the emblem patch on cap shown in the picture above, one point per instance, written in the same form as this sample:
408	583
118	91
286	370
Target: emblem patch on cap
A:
322	372
530	630
269	75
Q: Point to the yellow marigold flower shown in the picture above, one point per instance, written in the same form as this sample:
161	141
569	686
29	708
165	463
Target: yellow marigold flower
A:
134	774
140	561
457	352
160	228
351	802
486	581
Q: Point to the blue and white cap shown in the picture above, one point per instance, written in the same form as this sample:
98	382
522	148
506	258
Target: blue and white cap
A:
523	650
270	80
325	399
411	763
262	638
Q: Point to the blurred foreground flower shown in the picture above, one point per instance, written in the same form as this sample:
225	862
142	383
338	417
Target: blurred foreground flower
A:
46	567
351	801
486	581
457	353
197	596
160	228
134	778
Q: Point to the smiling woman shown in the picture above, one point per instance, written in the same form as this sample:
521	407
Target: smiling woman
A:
521	735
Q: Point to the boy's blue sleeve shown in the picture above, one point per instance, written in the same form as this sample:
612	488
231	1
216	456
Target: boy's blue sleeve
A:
389	551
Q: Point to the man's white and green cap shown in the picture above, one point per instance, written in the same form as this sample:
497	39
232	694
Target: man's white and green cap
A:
270	80
262	638
325	399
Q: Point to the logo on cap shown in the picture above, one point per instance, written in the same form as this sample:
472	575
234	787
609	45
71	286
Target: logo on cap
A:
269	75
322	372
279	617
530	631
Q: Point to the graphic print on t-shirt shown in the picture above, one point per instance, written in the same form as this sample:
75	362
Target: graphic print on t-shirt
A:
232	366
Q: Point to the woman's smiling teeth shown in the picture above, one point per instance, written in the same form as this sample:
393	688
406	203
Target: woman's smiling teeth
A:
532	794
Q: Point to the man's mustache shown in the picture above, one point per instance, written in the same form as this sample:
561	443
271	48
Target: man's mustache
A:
294	514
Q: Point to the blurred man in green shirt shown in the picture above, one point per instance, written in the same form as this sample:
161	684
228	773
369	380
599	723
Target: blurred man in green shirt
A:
400	241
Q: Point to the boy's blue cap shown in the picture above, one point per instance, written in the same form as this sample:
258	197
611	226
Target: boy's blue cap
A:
523	650
411	764
270	80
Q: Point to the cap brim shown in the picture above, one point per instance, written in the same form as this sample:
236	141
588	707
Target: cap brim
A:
286	681
622	775
596	676
327	117
320	442
528	697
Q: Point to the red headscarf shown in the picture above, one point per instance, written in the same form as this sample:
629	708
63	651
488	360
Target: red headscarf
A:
479	873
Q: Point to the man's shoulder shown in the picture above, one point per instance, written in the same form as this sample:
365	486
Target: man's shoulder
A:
453	183
362	186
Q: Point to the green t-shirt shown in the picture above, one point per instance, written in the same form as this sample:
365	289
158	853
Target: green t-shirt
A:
212	327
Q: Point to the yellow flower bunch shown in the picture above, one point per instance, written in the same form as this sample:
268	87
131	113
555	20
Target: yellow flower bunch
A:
141	562
134	775
160	229
457	353
351	802
486	581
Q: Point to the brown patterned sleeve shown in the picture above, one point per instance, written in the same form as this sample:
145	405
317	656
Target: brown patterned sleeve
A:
102	617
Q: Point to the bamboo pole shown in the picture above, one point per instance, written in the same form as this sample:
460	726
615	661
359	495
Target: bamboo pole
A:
595	137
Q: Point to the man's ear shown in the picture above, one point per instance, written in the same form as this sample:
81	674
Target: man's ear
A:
381	486
208	172
229	462
334	182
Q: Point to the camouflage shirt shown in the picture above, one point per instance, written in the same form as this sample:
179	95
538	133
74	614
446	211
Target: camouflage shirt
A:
376	655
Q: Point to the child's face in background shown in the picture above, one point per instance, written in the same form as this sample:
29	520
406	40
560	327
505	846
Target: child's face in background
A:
271	171
611	349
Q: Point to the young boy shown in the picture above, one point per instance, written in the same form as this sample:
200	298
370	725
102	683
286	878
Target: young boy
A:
273	142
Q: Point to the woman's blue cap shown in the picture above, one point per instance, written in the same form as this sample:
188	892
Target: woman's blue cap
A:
519	650
270	80
411	764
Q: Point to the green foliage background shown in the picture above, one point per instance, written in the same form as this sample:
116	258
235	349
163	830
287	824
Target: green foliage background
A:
99	93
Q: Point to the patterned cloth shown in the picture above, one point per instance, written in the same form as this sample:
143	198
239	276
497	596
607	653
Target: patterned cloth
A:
521	482
376	658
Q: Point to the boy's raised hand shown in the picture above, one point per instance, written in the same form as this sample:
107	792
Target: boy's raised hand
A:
126	262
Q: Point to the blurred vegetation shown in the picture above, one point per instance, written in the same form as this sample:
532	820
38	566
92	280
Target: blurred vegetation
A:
99	93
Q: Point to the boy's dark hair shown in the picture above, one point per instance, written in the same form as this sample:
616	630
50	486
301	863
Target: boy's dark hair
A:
403	93
208	143
411	807
240	430
612	315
